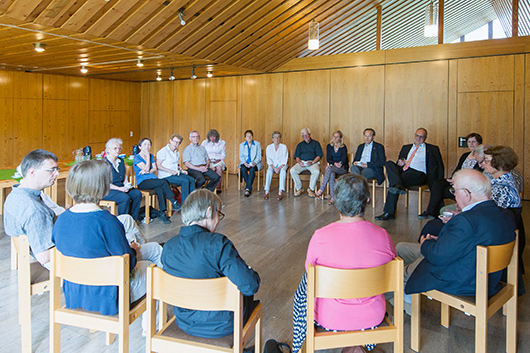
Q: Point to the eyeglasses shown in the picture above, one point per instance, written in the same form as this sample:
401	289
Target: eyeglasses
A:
420	136
51	170
452	190
221	216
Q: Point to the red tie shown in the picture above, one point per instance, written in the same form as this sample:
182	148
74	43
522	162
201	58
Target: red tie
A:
409	161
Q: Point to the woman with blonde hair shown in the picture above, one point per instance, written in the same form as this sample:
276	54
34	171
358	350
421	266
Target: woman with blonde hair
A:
337	159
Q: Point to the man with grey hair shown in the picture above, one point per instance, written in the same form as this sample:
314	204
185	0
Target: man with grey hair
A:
447	262
25	211
195	157
307	155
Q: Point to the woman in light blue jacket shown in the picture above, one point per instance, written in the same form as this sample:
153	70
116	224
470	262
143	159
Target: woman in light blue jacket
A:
249	160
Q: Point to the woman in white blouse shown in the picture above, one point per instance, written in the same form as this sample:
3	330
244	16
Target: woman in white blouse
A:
216	149
277	157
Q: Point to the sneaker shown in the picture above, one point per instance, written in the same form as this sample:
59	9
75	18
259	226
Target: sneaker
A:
311	193
425	215
176	206
299	192
165	219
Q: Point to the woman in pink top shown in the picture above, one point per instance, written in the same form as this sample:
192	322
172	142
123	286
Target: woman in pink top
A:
351	242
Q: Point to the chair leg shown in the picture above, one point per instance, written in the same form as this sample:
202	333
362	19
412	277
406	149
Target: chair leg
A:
109	338
14	256
481	330
511	324
415	322
373	193
384	190
407	199
259	177
446	315
24	305
148	210
257	336
420	200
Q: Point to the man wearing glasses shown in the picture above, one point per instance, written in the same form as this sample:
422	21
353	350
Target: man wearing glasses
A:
25	211
418	163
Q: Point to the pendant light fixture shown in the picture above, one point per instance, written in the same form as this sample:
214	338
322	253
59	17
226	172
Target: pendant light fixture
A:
171	77
39	47
314	36
431	20
84	70
193	76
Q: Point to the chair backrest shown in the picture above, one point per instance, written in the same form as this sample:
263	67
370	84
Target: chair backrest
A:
214	294
350	158
327	282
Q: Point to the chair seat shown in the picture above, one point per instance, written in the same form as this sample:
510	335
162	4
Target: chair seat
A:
38	273
172	330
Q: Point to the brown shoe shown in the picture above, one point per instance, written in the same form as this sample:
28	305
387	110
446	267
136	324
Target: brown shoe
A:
311	193
280	197
266	197
299	192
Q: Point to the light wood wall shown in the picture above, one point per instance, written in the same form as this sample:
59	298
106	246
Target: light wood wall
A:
450	97
61	113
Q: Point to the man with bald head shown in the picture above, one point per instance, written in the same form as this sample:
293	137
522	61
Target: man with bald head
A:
418	163
447	262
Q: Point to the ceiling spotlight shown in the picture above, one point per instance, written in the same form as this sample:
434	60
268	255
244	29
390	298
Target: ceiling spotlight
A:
181	17
193	76
84	69
171	77
139	63
158	78
39	47
209	74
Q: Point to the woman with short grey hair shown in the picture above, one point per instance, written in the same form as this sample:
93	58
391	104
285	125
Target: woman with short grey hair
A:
199	252
351	242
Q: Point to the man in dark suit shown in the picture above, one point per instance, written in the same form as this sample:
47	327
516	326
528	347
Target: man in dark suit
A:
418	163
448	262
369	158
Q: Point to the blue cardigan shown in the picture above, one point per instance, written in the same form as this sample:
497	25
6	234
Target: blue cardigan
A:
91	235
340	156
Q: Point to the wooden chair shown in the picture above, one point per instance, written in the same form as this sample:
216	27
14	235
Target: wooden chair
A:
32	279
277	176
105	271
327	282
197	294
258	178
489	259
421	189
111	205
351	156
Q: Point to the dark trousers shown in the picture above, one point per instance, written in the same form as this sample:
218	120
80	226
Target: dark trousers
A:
127	202
199	178
396	176
186	183
162	190
439	192
248	175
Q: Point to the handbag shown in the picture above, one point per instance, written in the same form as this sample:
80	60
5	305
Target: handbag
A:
273	346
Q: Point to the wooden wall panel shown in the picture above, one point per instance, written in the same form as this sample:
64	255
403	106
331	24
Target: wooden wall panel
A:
223	88
222	118
27	126
190	110
357	103
261	107
27	85
454	152
518	111
306	104
7	87
55	87
98	127
416	95
7	158
56	126
526	128
78	130
133	127
160	114
78	88
488	113
495	73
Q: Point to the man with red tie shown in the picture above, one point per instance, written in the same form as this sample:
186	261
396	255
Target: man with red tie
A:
418	163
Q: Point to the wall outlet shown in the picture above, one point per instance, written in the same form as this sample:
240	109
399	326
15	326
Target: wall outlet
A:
462	142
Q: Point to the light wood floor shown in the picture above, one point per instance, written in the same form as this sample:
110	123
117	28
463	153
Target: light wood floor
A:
272	237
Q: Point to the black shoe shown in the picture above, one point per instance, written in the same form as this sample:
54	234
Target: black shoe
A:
385	217
398	189
176	206
247	193
426	215
165	219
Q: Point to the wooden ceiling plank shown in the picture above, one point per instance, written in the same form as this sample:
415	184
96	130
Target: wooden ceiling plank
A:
275	18
114	16
161	18
54	10
84	15
21	9
5	5
268	43
67	12
137	19
244	28
203	8
212	28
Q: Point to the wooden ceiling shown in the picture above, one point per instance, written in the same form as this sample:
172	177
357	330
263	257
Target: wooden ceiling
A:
225	37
